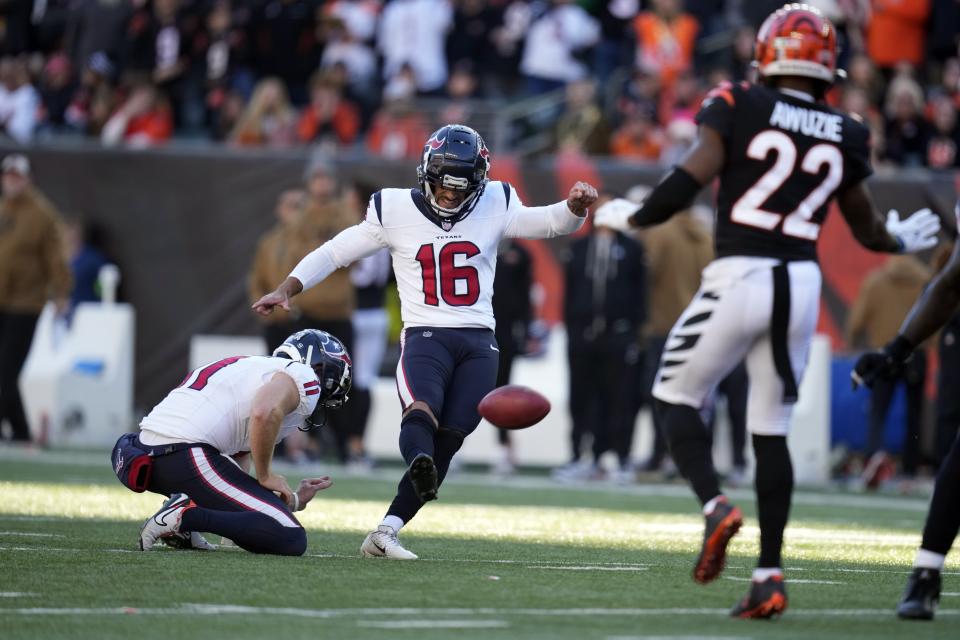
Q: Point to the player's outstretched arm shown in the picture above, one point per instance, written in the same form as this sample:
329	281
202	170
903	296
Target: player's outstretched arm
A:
675	192
552	220
915	233
342	250
270	405
279	297
937	304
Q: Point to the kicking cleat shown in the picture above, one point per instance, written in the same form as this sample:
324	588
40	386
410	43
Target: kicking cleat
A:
765	599
920	598
383	543
722	524
188	540
423	475
165	522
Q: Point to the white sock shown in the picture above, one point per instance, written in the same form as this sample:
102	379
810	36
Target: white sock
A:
393	522
929	560
712	504
761	574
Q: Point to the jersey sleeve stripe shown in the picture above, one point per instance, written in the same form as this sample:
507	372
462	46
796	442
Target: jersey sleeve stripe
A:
378	205
221	485
312	383
506	193
312	392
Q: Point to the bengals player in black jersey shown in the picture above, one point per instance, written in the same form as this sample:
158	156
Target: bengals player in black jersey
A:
935	307
781	155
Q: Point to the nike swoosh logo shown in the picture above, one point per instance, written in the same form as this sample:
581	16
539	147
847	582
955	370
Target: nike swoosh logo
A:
382	549
495	349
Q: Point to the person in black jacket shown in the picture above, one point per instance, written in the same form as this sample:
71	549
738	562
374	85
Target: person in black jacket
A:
513	312
604	308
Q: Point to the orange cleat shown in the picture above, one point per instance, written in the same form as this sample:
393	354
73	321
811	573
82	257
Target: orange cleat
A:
767	599
722	524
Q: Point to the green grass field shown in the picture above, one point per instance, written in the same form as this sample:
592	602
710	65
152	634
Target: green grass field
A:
499	560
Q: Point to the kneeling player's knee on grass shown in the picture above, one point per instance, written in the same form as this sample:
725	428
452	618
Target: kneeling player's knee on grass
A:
294	542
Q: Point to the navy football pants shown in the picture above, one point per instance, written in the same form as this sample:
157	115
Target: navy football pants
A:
230	502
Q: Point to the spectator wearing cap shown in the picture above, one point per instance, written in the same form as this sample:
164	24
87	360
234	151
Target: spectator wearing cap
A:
33	269
19	101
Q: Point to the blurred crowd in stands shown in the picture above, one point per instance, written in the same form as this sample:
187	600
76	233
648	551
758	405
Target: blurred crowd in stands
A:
626	76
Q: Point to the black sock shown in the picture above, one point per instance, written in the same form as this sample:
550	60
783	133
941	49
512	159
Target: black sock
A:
448	442
943	519
407	503
416	435
251	530
690	446
774	484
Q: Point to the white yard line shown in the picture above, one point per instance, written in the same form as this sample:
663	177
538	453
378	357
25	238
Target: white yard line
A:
221	609
32	534
789	581
679	638
18	594
435	624
586	568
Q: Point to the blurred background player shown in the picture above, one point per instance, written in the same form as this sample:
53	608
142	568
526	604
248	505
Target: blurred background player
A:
677	252
278	250
513	311
936	306
781	155
33	269
443	238
200	440
885	298
605	304
370	276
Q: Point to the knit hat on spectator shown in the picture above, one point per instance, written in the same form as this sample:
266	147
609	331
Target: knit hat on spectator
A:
16	163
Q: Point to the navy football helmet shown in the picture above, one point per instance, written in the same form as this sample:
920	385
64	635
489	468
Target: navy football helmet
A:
327	356
455	157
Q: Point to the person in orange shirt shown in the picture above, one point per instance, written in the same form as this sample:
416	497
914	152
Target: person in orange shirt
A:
144	120
329	116
896	32
665	39
638	138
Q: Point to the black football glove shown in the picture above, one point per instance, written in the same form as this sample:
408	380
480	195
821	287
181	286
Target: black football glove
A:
881	364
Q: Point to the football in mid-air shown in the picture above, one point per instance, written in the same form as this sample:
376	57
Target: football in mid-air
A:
514	407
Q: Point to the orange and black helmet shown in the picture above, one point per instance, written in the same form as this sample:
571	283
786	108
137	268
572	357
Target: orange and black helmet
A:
797	40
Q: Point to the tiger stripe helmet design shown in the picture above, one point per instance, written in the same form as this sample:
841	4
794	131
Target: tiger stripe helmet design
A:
797	40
